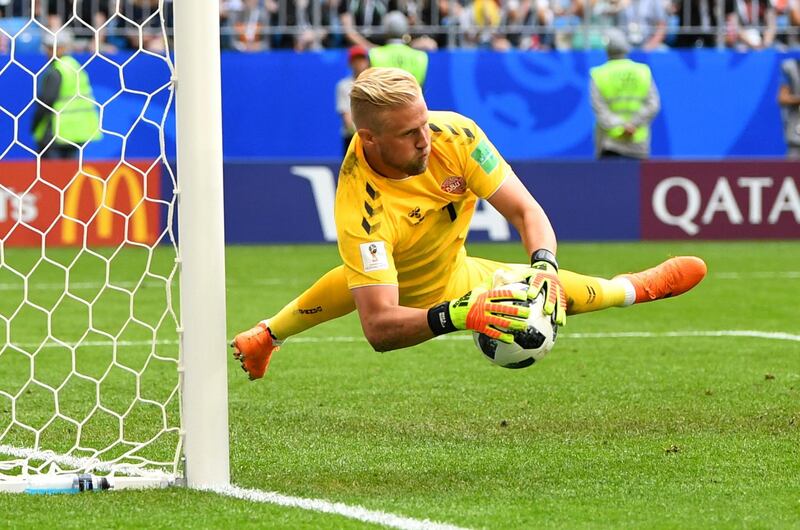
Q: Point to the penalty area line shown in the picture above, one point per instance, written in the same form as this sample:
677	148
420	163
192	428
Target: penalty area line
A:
747	333
358	513
755	334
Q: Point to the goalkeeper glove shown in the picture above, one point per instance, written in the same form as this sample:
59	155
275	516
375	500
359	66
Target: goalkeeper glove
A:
544	277
488	311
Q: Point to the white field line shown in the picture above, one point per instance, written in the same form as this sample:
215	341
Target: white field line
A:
316	505
755	275
748	333
59	286
769	335
39	286
358	513
764	275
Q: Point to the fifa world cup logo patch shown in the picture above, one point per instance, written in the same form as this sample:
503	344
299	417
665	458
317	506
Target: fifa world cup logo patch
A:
373	256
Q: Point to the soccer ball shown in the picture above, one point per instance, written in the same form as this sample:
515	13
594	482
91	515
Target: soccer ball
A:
530	345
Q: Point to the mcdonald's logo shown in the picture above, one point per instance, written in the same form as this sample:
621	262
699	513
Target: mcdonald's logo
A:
105	193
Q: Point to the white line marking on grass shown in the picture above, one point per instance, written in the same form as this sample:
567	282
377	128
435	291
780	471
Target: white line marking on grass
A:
91	344
760	275
358	513
38	286
769	335
316	505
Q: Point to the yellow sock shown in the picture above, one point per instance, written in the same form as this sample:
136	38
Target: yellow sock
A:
327	299
588	293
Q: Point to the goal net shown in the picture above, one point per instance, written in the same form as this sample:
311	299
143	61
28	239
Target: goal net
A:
91	361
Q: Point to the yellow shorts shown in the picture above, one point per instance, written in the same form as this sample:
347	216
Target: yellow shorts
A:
474	272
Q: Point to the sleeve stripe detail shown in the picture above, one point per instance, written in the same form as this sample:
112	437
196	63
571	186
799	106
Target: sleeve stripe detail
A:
372	285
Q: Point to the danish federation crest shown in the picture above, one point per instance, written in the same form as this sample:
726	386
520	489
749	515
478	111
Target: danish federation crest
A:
455	185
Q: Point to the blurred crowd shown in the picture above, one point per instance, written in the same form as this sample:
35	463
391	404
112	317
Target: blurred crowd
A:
253	25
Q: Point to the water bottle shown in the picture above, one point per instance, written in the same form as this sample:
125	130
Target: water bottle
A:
52	484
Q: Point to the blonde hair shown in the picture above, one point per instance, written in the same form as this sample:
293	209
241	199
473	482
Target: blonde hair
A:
377	89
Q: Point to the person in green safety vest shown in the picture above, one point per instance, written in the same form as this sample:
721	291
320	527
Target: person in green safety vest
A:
396	52
66	116
625	101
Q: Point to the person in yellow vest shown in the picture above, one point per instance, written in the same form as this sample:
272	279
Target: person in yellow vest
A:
396	52
66	117
625	101
407	191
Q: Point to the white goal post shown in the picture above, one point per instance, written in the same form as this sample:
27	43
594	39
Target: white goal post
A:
202	242
113	349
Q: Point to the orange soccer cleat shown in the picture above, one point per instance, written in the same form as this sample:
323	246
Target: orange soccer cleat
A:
254	348
671	278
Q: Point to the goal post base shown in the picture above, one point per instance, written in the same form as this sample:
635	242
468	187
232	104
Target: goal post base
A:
74	483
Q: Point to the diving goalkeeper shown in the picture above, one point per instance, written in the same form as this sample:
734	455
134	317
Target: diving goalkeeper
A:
407	191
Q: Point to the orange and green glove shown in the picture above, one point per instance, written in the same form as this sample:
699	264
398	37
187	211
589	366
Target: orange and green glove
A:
488	311
544	277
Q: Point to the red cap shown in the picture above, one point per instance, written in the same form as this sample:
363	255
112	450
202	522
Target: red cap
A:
356	51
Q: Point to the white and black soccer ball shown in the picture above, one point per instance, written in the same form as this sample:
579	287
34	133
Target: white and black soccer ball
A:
530	345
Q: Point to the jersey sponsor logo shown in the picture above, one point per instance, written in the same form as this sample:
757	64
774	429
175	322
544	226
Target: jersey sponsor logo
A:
455	185
485	157
373	256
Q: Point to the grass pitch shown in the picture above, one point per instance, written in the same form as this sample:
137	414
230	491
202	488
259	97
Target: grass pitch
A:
630	422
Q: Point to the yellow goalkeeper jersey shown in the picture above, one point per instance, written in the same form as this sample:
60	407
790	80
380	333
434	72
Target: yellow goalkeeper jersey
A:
411	232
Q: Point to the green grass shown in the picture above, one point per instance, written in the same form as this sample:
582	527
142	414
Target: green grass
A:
660	432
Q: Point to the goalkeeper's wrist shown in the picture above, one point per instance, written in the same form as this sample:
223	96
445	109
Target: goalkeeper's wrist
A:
544	255
439	319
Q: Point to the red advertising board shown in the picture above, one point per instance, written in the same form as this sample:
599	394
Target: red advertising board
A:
65	203
720	200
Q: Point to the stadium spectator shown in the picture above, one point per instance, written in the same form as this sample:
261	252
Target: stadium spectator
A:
310	33
363	19
787	19
65	92
789	101
142	21
228	13
248	24
534	17
358	60
566	19
625	101
305	24
486	21
596	16
755	25
406	195
644	22
699	21
87	19
396	52
451	16
793	25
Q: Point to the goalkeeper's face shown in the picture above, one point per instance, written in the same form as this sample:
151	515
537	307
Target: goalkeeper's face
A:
403	139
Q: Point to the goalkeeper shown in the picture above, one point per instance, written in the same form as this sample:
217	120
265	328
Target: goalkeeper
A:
406	194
